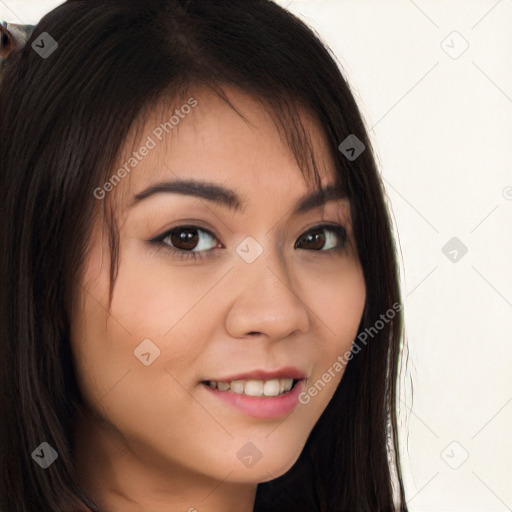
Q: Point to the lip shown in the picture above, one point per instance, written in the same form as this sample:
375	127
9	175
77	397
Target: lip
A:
289	372
260	406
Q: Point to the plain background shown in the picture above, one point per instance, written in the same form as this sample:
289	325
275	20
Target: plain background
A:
440	119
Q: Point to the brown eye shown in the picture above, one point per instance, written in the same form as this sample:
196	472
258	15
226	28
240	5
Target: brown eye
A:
194	242
316	238
187	238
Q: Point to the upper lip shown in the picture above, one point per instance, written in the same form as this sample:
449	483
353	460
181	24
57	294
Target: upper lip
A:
289	372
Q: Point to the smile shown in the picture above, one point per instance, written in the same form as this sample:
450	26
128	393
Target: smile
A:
249	396
252	387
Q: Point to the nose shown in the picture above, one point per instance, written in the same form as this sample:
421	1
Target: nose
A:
267	301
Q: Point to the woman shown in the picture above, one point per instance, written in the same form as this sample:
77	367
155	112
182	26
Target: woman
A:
200	299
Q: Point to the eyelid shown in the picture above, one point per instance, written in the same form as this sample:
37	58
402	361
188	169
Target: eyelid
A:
340	230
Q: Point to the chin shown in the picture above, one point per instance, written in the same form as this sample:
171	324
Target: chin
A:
265	469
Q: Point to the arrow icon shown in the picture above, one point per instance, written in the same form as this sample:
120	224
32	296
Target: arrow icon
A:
454	45
249	455
44	45
455	455
143	354
249	249
454	249
45	455
351	147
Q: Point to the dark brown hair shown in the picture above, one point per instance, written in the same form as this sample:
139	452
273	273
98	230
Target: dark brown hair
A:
64	120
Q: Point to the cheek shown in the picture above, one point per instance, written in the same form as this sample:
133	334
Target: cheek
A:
149	303
339	306
163	303
103	340
340	303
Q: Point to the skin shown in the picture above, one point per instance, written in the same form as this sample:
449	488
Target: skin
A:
153	438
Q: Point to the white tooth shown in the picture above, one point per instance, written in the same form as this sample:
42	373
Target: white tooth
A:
271	387
237	386
223	386
254	387
288	383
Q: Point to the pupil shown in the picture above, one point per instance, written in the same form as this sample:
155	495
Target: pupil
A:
186	237
318	237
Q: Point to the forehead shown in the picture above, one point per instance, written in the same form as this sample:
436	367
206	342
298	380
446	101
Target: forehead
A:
202	137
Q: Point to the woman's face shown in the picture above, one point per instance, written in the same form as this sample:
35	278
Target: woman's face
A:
253	306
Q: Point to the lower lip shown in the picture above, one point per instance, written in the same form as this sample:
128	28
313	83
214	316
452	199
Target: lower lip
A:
261	406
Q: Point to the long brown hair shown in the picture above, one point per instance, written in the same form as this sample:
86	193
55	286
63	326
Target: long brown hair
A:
63	121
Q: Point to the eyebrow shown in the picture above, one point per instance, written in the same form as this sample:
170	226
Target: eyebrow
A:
229	198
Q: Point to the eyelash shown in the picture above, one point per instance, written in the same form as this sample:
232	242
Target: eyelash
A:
159	243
